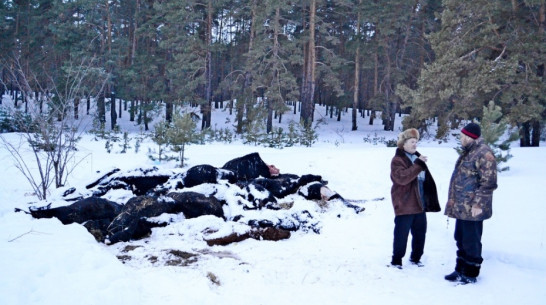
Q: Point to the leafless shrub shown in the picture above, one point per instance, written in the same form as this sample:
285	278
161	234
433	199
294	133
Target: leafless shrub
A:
49	135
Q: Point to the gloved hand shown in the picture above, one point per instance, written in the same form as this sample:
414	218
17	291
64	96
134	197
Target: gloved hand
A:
476	210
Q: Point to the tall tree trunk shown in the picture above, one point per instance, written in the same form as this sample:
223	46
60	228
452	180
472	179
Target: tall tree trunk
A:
169	111
101	109
375	83
144	106
25	100
169	107
120	110
108	27
76	107
246	87
524	135
135	28
41	104
206	109
389	112
269	124
113	114
356	88
357	72
132	56
132	109
308	90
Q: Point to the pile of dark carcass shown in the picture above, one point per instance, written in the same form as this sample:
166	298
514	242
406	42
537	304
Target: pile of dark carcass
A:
235	192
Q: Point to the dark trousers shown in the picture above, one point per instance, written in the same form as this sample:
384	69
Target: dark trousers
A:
403	225
468	236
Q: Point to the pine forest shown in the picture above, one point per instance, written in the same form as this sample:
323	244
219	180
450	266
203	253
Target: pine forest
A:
436	61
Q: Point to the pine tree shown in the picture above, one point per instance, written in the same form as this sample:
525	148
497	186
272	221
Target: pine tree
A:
494	127
187	33
485	50
182	132
270	59
160	137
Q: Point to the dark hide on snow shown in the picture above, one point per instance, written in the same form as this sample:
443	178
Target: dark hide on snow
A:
299	220
206	174
107	220
131	223
200	174
103	178
313	192
248	167
285	184
194	204
92	208
140	184
98	228
268	201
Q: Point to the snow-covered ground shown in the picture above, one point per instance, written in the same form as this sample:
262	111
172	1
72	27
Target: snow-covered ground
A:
45	262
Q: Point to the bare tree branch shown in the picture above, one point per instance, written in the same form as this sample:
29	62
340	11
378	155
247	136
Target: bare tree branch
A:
51	136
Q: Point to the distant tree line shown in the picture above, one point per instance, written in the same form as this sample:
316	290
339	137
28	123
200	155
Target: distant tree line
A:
432	59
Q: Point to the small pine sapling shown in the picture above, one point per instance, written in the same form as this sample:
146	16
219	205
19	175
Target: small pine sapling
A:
182	132
494	127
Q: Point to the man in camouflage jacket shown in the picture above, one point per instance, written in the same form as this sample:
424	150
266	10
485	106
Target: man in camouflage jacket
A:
470	202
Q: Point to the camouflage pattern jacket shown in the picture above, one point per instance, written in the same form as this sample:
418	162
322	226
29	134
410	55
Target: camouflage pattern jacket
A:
472	183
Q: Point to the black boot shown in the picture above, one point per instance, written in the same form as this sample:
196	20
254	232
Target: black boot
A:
416	261
472	270
459	269
470	273
396	262
453	276
467	279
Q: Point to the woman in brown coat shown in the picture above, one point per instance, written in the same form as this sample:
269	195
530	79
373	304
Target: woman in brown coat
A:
413	193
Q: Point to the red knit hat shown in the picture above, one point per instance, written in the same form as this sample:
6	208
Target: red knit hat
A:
472	130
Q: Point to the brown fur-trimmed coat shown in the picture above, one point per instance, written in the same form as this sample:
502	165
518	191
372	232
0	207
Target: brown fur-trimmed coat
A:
405	188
